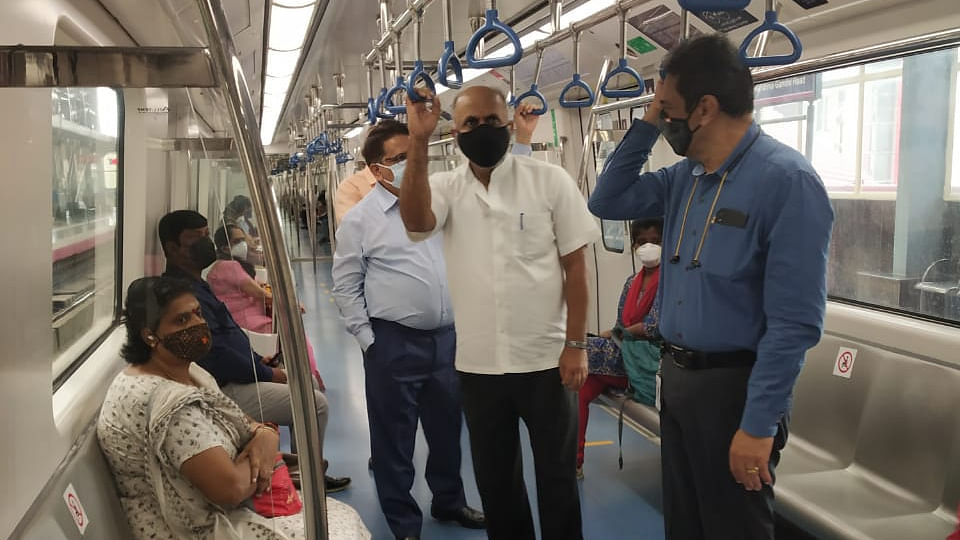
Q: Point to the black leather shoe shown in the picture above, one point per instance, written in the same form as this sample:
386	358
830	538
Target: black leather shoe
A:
467	517
336	484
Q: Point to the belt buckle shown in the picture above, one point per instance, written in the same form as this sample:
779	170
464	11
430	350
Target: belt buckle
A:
675	354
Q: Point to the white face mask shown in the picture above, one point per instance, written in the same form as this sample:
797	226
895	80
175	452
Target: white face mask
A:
649	255
239	251
397	170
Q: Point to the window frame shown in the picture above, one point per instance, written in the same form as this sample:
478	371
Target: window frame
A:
953	138
73	365
860	79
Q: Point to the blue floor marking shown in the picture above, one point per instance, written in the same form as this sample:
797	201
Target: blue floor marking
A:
615	504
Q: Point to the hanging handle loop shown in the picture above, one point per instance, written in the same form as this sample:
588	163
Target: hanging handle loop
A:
401	86
534	92
493	25
770	24
577	81
622	67
449	60
418	74
380	103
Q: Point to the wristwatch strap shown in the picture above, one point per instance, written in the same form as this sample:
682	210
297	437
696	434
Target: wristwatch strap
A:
573	344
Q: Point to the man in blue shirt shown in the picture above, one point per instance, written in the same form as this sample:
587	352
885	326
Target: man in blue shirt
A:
259	390
394	298
742	287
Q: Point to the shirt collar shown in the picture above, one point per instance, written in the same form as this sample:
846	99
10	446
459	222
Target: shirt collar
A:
385	199
736	156
504	165
368	175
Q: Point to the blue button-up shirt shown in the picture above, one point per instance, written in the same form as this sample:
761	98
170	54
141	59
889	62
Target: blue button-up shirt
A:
761	282
378	272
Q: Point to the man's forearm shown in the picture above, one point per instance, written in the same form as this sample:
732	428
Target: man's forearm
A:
575	293
415	198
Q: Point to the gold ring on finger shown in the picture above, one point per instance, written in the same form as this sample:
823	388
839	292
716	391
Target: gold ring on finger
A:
753	470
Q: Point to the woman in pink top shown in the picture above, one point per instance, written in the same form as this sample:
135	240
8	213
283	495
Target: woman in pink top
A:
231	279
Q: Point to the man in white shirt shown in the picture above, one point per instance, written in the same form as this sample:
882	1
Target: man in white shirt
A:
515	232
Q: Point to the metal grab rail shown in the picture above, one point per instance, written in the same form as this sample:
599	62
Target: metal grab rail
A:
243	117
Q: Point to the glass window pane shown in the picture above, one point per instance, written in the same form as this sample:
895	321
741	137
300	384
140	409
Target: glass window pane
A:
887	65
614	234
86	165
841	74
881	134
955	180
835	136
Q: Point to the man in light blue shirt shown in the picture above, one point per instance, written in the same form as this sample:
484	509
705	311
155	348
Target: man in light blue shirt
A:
742	286
394	299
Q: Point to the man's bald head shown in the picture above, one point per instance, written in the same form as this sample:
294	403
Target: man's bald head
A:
477	105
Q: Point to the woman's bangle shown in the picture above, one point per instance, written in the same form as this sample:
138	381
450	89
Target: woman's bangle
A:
268	425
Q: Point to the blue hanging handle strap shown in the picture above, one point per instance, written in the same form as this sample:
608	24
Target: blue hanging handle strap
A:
622	67
493	25
713	5
533	93
577	82
449	62
418	74
770	24
388	100
372	111
381	103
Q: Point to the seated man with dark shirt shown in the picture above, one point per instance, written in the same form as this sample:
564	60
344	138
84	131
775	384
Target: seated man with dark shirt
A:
259	390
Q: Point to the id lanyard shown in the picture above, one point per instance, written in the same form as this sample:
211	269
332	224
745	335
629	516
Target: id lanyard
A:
695	262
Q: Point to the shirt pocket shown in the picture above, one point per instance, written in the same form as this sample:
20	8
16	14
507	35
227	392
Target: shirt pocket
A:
730	252
533	235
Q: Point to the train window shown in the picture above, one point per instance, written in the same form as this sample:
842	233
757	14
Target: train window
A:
87	185
896	237
953	189
854	115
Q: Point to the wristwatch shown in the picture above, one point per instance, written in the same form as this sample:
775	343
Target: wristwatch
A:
573	344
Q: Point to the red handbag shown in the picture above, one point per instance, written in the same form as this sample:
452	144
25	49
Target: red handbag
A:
282	499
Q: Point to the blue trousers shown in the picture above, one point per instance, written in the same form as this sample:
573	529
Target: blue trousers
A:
410	376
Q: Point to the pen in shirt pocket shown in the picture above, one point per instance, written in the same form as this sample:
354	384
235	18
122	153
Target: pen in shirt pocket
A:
521	221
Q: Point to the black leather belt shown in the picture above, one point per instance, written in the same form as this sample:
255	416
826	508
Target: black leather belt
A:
690	359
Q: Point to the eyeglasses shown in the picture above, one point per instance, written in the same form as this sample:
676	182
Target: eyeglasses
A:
395	159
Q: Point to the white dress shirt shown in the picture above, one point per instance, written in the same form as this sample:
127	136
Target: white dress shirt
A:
503	246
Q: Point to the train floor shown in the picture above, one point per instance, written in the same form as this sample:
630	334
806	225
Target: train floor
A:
615	503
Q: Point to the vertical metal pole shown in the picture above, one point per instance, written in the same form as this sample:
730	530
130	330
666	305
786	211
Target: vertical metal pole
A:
447	21
591	130
556	13
243	117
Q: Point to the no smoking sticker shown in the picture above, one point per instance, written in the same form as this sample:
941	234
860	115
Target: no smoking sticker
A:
76	509
843	367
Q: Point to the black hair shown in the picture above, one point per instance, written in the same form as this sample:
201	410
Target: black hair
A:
147	301
639	225
241	203
711	65
174	223
378	135
221	240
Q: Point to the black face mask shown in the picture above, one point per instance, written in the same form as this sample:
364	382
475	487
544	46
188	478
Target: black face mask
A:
677	133
190	344
203	252
484	145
